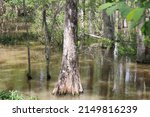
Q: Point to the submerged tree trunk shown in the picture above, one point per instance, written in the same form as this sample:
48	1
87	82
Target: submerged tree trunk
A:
47	44
69	77
28	41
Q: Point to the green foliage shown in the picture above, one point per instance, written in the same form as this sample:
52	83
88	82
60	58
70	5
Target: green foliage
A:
106	5
14	2
129	50
146	28
88	41
10	95
14	95
147	5
121	6
124	9
112	7
105	42
135	15
132	15
147	41
15	39
127	44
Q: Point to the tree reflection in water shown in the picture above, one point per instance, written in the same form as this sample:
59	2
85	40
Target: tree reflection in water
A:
117	78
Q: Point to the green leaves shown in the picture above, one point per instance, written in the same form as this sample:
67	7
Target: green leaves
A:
15	2
124	9
121	6
106	5
112	7
146	28
10	95
132	15
135	15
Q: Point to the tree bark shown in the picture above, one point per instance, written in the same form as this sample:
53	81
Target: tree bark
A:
69	77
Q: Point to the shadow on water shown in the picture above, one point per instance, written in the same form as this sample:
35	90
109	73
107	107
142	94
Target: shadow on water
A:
102	76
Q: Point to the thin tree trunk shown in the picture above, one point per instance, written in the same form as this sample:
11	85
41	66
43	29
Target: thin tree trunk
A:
69	77
116	19
28	41
47	44
140	43
82	24
108	27
83	17
90	28
16	11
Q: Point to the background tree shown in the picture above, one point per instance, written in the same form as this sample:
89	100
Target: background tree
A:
108	24
136	16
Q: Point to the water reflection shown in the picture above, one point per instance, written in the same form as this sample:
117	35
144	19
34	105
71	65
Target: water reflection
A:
142	82
102	76
91	77
117	78
106	74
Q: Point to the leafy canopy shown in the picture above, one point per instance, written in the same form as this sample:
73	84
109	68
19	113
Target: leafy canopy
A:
133	15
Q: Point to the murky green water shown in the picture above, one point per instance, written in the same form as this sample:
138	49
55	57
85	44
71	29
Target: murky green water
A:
102	76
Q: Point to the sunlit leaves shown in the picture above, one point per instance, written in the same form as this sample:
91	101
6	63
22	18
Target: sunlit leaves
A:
135	14
106	5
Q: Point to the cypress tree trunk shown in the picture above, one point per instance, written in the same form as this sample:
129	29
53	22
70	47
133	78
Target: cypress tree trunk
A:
69	77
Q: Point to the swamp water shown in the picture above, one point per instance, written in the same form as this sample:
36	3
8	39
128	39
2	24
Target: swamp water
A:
102	76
